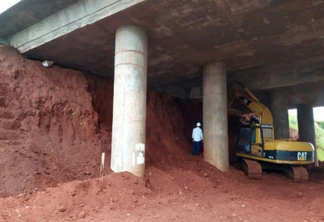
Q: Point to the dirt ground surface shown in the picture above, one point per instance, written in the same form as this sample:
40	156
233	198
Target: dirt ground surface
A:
196	192
54	124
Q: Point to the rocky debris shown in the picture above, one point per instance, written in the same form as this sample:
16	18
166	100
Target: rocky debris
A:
62	209
82	214
300	194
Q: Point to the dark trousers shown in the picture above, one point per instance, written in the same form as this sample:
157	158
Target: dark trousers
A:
196	148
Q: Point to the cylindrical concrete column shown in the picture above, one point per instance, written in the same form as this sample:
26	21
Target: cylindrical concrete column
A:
306	126
215	123
129	104
279	109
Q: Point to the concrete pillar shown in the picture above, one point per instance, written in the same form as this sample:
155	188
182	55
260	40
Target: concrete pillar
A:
215	126
306	126
278	106
129	104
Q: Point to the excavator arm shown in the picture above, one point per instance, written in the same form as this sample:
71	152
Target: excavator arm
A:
242	101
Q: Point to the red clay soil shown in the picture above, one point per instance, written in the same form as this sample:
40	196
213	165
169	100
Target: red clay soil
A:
55	136
46	120
293	134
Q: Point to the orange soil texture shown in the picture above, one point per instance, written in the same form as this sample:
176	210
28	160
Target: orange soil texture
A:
54	124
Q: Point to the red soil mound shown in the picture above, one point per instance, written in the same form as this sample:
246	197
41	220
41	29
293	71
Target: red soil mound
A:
48	128
293	134
168	132
50	132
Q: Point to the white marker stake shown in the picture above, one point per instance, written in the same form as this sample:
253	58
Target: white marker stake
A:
102	165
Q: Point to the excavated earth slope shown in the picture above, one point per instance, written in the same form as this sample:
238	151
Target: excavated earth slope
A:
48	128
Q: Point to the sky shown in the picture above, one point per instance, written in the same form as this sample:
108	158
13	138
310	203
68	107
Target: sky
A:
318	113
5	4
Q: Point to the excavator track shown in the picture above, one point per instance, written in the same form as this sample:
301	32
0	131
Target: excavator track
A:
252	169
298	174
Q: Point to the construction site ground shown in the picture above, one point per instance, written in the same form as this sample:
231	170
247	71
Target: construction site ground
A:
196	192
54	125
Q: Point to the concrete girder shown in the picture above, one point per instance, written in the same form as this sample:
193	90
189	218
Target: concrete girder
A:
76	16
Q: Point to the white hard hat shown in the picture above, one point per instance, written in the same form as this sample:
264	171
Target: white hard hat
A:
198	124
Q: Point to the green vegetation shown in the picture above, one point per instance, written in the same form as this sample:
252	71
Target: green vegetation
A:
319	131
321	124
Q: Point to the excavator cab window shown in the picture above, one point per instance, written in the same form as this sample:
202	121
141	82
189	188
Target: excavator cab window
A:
247	137
267	131
244	139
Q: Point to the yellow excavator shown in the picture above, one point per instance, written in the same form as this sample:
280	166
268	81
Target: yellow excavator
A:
256	146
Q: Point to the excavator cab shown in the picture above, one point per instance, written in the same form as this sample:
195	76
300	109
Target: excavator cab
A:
250	140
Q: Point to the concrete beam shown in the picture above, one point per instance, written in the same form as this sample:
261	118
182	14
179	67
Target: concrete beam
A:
27	13
267	78
175	91
78	15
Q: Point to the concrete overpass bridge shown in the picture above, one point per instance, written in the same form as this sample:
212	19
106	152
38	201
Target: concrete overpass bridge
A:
188	48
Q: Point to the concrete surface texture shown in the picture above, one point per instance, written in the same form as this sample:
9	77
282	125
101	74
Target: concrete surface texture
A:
29	12
76	16
311	93
306	127
279	109
129	105
215	125
279	39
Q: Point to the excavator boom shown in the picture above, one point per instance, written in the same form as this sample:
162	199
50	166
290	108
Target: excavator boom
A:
242	101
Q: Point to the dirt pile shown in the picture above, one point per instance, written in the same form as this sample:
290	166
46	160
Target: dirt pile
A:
168	131
50	132
198	194
293	134
48	128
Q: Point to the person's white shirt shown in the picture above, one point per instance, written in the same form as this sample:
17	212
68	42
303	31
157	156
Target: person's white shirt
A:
197	134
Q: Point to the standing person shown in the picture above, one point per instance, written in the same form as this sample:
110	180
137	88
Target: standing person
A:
197	137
